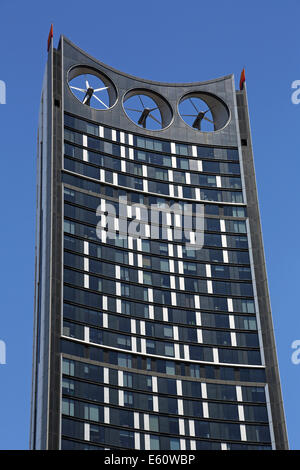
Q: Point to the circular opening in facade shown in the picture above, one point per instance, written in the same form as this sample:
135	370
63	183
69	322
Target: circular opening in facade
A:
203	111
92	88
147	109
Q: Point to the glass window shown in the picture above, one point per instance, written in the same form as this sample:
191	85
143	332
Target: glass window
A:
124	341
128	398
146	245
182	149
179	177
142	156
211	167
189	268
149	383
147	278
125	290
154	442
124	274
195	370
124	360
73	330
163	248
254	394
174	444
170	368
221	392
205	152
245	323
248	306
204	180
68	367
67	407
258	433
223	411
236	197
72	136
146	261
232	154
153	423
125	307
156	187
164	280
256	413
127	439
169	350
164	265
138	170
69	227
91	412
160	174
168	331
182	163
127	379
150	345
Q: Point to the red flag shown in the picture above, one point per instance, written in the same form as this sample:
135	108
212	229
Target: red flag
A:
242	79
50	37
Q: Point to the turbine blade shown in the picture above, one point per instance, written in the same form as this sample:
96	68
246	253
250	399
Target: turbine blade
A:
141	101
209	109
79	89
136	110
96	97
190	99
209	120
100	89
150	115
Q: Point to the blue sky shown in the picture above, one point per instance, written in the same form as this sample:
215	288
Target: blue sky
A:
170	41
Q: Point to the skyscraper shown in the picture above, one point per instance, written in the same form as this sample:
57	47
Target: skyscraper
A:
153	327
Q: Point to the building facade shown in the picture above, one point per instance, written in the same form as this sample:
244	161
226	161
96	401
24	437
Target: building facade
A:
153	327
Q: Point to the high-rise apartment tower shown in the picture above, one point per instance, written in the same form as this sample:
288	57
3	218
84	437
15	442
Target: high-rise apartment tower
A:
153	327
